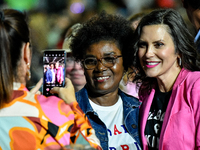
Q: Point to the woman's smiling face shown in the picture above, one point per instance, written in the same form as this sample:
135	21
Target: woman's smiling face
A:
157	52
104	79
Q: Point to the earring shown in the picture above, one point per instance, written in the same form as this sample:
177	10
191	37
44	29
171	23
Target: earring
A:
28	73
179	61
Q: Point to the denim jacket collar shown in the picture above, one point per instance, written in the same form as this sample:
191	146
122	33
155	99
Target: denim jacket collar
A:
83	94
86	107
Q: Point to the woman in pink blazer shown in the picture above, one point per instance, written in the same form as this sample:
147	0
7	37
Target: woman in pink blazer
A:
59	73
169	68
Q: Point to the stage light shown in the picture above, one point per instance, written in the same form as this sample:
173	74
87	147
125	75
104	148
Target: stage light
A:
77	8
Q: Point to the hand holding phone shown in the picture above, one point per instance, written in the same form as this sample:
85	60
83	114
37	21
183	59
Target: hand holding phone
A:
54	62
63	93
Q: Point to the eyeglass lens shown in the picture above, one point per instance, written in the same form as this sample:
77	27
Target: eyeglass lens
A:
91	63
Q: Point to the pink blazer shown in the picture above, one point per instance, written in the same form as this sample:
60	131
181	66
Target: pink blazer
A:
59	74
181	124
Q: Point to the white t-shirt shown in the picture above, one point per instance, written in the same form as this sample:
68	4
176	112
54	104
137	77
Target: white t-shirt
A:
112	116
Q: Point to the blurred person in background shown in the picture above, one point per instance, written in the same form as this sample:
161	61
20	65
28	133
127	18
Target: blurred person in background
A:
74	70
193	11
30	120
135	18
103	45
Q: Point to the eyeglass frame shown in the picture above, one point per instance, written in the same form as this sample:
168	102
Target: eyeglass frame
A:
100	60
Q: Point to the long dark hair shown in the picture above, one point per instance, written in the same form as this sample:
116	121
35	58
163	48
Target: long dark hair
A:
183	42
14	32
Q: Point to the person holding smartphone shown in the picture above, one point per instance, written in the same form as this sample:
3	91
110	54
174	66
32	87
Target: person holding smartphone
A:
28	120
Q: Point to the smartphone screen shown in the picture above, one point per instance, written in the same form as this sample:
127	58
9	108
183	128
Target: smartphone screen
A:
54	64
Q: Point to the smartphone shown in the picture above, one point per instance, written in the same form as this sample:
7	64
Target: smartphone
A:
54	64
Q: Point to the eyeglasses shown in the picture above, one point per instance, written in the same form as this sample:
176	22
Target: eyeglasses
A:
107	61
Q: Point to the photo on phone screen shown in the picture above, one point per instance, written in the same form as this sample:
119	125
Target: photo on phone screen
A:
54	62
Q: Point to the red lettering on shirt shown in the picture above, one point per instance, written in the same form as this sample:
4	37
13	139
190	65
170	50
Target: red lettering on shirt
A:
116	130
125	147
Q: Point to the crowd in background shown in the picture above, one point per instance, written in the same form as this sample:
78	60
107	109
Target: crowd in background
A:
135	70
49	20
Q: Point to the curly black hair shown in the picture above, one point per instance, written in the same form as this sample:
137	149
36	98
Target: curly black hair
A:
104	27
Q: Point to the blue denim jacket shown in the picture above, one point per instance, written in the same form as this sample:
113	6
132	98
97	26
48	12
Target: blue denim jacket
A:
131	116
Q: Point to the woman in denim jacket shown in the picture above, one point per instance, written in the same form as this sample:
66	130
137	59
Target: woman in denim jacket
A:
103	46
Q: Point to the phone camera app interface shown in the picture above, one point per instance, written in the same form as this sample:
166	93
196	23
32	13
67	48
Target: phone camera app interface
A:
54	71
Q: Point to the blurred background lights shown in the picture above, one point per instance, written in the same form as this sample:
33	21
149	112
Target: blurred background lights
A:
77	8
